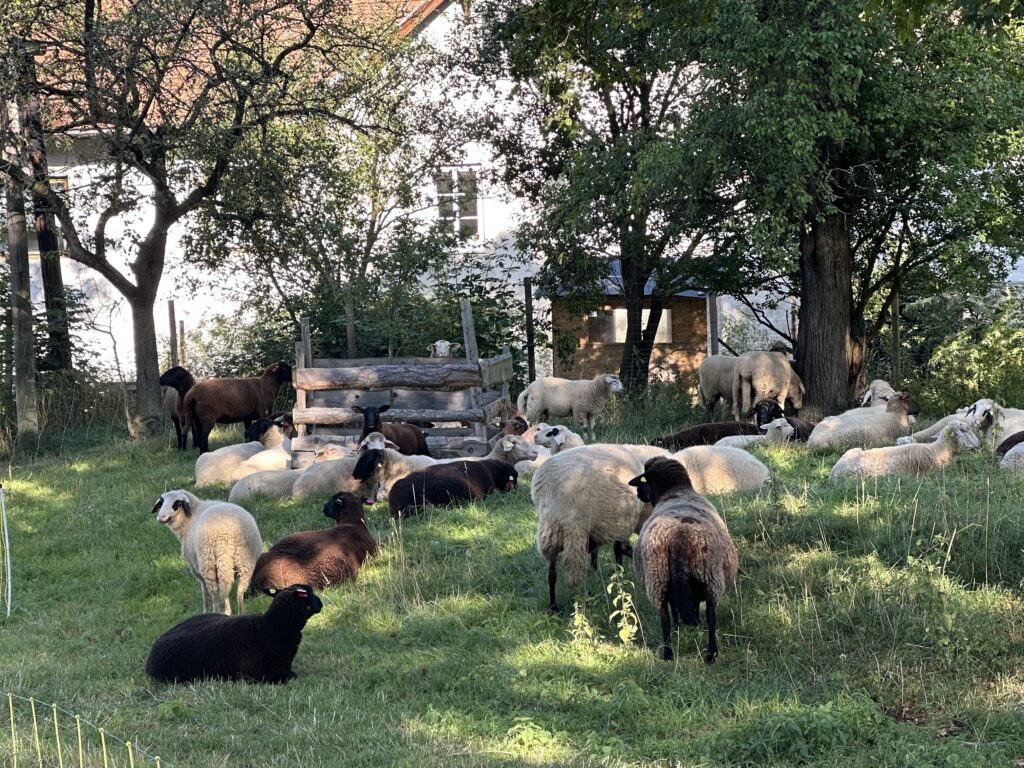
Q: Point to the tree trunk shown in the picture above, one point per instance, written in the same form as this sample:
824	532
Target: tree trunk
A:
636	352
829	351
147	421
26	406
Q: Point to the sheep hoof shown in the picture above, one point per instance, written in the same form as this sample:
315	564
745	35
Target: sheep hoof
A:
666	653
710	658
553	609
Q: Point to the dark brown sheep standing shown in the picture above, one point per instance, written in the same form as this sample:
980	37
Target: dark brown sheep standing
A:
408	437
706	434
228	401
685	555
178	382
320	558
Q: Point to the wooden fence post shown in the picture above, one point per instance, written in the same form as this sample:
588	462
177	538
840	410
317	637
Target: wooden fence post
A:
174	332
473	355
531	350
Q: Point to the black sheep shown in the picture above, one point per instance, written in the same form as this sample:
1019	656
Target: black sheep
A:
706	434
321	558
179	381
766	411
447	484
408	437
259	648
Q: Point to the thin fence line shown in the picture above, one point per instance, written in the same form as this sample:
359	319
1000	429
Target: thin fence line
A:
7	548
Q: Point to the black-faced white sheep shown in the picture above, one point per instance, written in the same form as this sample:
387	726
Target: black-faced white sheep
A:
445	485
583	500
908	459
715	469
443	348
990	417
320	558
558	438
408	437
706	434
764	376
583	399
685	555
220	543
775	433
715	374
865	427
258	648
228	401
178	382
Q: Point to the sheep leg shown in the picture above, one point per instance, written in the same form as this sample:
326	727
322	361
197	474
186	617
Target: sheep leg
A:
666	633
203	437
621	548
182	438
205	592
552	578
712	640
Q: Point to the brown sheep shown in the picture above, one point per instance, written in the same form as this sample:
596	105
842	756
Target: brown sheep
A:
178	382
706	434
228	401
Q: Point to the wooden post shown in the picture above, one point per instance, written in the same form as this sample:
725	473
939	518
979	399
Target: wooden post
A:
712	300
300	394
473	356
307	344
174	332
531	351
26	406
181	342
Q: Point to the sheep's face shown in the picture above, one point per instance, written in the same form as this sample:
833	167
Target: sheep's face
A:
298	599
368	464
176	377
330	452
280	370
613	383
779	430
551	437
983	413
661	474
345	508
371	415
170	504
517	449
766	411
517	425
965	436
442	348
509	481
375	441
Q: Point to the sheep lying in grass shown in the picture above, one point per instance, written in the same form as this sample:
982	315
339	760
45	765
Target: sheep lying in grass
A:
558	438
878	394
258	648
583	399
767	411
764	376
990	417
717	469
865	427
775	432
909	459
277	447
220	542
1013	459
929	433
1013	440
715	374
685	555
706	434
445	485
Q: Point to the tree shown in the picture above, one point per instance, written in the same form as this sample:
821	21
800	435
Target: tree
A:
861	159
588	135
168	92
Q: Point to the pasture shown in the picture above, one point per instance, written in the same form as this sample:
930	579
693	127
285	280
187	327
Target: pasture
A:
872	624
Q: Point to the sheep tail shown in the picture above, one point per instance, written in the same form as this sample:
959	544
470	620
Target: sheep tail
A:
575	556
684	611
188	416
521	400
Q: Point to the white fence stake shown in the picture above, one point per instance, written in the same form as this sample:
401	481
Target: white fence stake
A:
7	546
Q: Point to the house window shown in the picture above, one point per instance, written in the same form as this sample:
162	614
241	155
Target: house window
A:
663	336
609	326
457	199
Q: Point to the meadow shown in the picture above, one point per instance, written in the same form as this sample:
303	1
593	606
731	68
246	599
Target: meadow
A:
872	624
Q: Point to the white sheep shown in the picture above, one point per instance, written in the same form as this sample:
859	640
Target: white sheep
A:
276	454
715	374
929	433
584	500
865	427
217	467
908	459
1013	459
443	348
717	469
583	399
878	394
777	431
764	376
558	438
990	417
220	542
271	484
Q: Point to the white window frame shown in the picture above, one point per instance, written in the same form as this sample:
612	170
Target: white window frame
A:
452	173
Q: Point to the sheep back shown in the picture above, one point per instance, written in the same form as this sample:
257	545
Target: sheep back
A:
714	375
714	469
706	434
271	484
320	558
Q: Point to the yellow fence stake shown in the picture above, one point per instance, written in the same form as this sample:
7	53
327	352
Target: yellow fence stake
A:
35	731
157	762
81	752
131	760
14	741
56	733
103	743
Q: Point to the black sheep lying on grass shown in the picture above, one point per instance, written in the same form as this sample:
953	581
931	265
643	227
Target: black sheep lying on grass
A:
447	484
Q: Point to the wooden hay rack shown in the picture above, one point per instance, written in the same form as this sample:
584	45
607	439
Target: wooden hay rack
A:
420	390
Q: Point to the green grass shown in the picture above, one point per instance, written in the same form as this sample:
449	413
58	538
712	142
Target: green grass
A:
874	624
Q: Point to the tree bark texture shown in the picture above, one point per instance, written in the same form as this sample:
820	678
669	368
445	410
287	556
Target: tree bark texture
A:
829	350
26	406
634	367
148	421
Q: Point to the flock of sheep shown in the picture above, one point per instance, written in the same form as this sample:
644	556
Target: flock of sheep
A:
586	495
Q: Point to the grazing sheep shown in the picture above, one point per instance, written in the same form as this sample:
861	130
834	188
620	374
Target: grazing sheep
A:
717	469
408	437
270	484
865	427
558	438
1015	439
764	376
766	411
259	648
227	401
685	555
584	399
715	374
320	558
444	485
220	542
775	432
178	382
909	459
583	500
442	348
878	394
706	434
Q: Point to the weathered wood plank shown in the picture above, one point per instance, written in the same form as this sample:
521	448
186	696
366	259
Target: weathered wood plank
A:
357	362
348	416
441	446
385	376
496	370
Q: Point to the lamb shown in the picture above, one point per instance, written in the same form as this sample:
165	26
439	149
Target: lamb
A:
706	434
219	541
442	348
685	555
258	648
227	401
909	459
584	399
766	411
320	558
715	374
878	393
865	427
408	437
583	500
764	376
717	469
443	485
558	438
178	382
776	432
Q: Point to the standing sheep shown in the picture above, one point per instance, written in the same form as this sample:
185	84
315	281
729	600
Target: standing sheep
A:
907	459
583	399
220	542
715	374
685	555
258	648
865	427
764	376
178	382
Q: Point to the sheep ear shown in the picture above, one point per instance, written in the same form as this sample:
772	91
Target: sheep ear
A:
392	446
384	408
159	503
765	427
183	505
507	445
637	480
269	591
455	347
431	348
